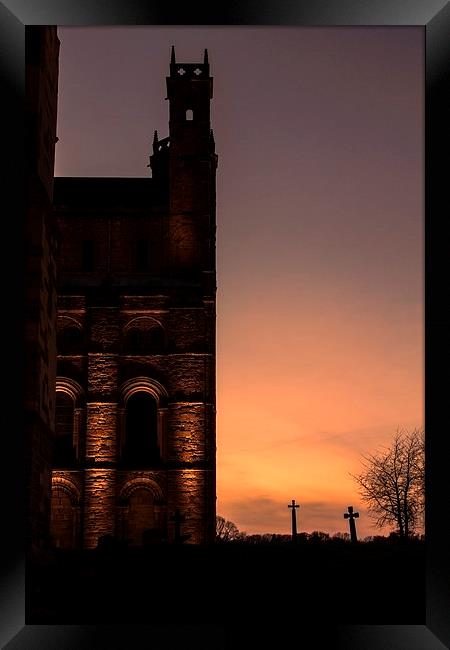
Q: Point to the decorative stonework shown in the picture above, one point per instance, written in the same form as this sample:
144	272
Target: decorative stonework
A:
142	378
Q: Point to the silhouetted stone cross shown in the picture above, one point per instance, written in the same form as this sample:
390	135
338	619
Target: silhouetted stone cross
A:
181	71
197	71
294	505
177	518
351	516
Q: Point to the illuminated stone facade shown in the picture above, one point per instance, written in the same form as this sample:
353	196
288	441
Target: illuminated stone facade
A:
135	392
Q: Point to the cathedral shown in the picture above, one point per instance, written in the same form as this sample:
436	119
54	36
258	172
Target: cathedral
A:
133	455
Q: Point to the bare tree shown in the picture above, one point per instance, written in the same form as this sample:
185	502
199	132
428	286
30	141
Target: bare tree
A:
341	537
393	481
226	531
318	537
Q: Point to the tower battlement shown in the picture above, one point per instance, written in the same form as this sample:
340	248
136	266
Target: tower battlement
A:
185	71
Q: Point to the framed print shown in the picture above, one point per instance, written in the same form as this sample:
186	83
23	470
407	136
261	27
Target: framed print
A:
107	332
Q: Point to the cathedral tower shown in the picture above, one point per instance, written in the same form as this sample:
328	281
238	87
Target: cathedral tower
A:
135	394
192	165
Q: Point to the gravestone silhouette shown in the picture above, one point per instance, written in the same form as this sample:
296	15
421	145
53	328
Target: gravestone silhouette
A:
178	518
294	505
350	515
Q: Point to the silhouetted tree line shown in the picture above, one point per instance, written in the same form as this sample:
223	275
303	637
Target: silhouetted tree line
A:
392	483
228	533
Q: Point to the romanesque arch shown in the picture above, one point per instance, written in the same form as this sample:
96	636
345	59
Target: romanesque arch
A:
142	482
147	384
144	335
142	415
70	336
65	513
71	388
69	420
141	511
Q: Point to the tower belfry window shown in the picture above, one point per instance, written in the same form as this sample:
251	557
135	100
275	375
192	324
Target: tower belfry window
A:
189	114
63	447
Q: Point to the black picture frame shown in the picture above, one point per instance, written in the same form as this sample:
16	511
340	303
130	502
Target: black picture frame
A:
434	17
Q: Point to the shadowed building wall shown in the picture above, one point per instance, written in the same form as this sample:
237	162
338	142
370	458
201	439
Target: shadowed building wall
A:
136	336
41	77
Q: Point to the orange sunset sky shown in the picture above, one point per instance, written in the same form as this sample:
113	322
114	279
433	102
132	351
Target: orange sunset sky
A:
319	133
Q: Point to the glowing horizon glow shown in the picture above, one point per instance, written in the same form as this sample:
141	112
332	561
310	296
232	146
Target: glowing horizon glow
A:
319	240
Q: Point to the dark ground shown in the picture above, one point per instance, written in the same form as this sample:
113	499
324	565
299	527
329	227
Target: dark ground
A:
362	584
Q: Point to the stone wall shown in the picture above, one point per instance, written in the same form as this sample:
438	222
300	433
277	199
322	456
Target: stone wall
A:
175	288
42	50
101	435
114	239
102	376
187	492
99	505
189	421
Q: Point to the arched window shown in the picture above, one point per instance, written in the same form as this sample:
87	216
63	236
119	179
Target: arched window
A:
141	515
61	524
144	336
189	114
155	340
64	453
141	430
65	519
134	343
69	338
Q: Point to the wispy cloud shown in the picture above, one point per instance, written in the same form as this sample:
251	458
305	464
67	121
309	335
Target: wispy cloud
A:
360	440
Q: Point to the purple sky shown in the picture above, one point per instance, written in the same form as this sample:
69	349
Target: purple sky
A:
319	133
